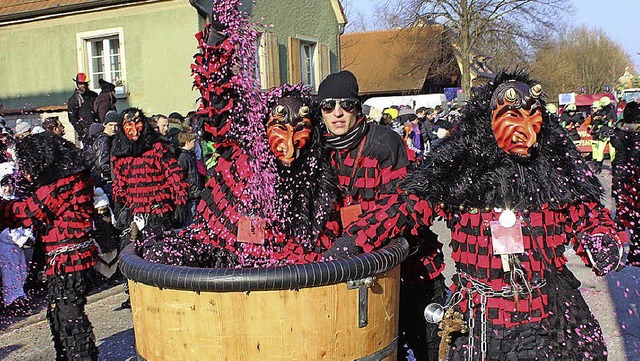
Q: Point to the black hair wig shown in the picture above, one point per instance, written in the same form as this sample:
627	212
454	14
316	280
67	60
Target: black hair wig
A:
47	157
123	146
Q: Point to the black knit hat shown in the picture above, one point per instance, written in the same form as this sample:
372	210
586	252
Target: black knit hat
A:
110	117
106	86
339	85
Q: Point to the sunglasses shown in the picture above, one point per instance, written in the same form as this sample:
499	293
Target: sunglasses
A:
347	104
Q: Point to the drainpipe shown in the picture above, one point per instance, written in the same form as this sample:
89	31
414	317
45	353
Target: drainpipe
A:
338	51
202	11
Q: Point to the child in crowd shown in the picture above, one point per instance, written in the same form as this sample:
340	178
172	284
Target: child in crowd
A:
187	161
13	263
107	236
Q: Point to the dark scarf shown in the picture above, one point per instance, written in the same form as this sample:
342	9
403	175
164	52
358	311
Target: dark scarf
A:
469	168
350	139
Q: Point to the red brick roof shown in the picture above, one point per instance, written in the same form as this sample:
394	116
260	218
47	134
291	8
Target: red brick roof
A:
21	9
391	61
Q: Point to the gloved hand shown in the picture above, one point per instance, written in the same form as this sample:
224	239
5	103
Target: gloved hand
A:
604	252
180	214
342	248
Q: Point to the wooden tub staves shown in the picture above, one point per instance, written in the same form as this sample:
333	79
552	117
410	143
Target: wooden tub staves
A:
337	310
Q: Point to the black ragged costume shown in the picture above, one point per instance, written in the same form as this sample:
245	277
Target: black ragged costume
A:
533	309
62	202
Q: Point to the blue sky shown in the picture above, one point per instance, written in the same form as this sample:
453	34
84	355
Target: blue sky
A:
618	18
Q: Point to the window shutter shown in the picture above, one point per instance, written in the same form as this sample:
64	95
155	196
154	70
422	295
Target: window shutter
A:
323	62
295	66
269	61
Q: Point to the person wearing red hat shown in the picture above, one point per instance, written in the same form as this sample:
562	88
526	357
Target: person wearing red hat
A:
80	106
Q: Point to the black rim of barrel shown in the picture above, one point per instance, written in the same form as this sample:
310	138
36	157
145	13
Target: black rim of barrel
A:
290	277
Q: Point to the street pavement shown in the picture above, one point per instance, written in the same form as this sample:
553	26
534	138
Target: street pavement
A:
613	299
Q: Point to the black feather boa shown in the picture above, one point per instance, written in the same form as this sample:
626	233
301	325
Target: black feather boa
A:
469	168
306	191
48	157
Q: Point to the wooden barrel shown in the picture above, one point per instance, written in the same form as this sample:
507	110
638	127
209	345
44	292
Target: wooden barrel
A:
336	310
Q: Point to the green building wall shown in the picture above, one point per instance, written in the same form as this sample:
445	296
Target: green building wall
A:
38	60
314	19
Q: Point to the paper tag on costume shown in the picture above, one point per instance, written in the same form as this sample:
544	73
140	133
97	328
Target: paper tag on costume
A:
506	240
251	230
505	262
349	214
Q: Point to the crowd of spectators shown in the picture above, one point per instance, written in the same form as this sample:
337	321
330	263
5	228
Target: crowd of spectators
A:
21	255
421	128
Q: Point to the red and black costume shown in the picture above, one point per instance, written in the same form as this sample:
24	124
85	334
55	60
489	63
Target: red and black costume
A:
370	160
284	197
62	204
530	309
147	178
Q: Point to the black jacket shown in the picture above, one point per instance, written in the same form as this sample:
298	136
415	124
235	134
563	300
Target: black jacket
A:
101	168
571	124
187	161
80	109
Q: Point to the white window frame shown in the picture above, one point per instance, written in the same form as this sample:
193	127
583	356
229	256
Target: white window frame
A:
84	63
308	61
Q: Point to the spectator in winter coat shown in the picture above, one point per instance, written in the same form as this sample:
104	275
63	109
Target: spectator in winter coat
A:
80	106
187	161
13	264
101	169
425	120
106	101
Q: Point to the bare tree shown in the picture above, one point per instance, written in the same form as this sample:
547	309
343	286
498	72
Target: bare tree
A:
581	58
474	24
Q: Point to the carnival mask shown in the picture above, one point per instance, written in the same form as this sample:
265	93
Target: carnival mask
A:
132	126
288	129
516	118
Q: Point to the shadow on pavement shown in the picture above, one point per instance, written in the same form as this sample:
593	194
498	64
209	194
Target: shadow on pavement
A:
624	287
118	347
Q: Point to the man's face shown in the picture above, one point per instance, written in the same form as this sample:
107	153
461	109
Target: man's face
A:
163	126
132	128
110	128
288	131
82	87
339	115
516	129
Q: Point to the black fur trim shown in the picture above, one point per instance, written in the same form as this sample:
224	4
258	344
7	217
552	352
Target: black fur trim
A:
469	168
48	157
123	147
307	190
